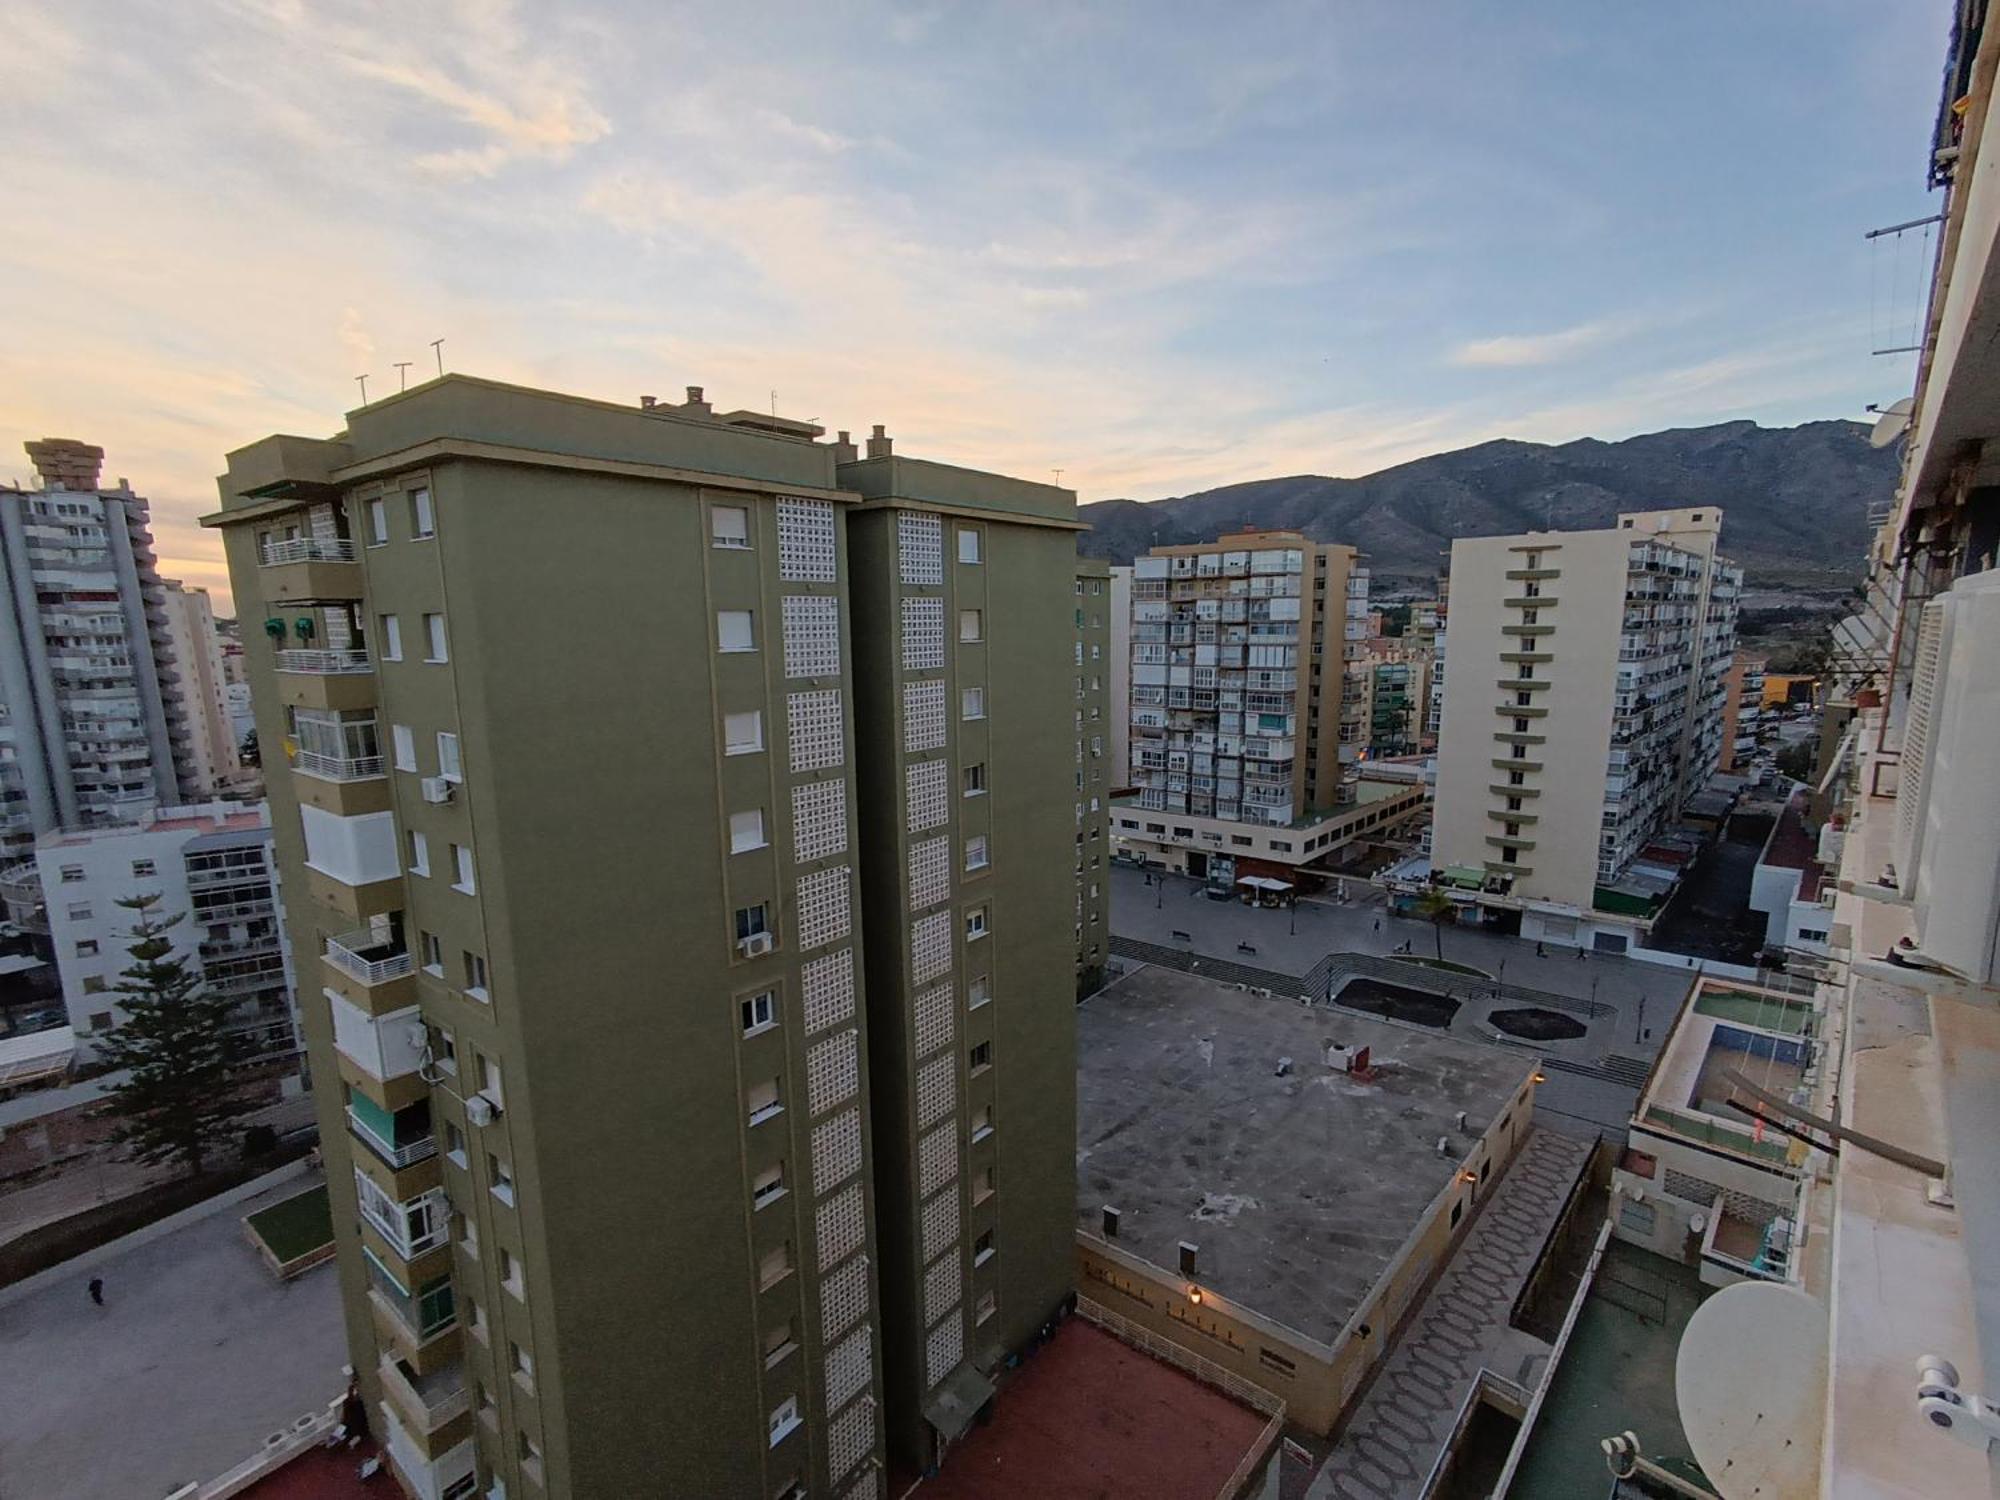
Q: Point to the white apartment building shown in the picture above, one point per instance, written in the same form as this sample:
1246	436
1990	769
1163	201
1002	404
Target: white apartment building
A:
1584	706
203	686
1118	677
213	865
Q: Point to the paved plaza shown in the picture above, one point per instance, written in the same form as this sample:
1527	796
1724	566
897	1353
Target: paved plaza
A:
198	1354
1638	997
1403	1420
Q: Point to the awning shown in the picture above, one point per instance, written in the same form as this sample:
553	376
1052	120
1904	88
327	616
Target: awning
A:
1469	877
955	1403
1263	883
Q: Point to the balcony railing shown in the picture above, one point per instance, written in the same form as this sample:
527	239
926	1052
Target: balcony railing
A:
368	958
440	1397
407	1154
338	767
321	662
307	549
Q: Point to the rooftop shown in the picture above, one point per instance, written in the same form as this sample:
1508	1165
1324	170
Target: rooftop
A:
1088	1417
1299	1188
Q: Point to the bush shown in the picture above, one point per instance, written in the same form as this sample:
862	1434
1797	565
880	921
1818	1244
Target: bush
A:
259	1140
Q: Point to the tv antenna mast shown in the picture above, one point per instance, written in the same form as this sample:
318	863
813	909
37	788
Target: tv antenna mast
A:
362	381
402	374
437	348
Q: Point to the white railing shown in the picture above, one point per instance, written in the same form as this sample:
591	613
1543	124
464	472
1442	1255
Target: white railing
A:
320	662
349	954
405	1155
307	549
338	767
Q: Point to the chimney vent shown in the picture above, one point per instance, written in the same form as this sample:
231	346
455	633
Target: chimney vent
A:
844	451
880	444
695	401
647	403
1188	1249
1110	1222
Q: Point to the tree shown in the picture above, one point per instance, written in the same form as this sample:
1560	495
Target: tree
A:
1437	908
1796	760
180	1100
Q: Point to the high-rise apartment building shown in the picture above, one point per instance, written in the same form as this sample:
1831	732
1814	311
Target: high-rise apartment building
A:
197	648
679	808
1118	678
95	732
211	865
1246	701
1096	606
1585	705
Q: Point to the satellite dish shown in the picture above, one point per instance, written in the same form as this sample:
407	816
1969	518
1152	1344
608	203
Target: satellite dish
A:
1750	1378
1894	421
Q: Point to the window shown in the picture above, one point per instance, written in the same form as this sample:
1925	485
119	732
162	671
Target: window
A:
971	624
972	703
982	1249
461	864
752	921
979	992
100	1020
143	869
378	522
392	638
974	779
768	1186
784	1420
780	1341
968	545
982	1122
488	1075
420	854
1240	840
404	745
975	852
510	1273
975	924
983	1308
760	1013
87	948
735	630
980	1058
522	1363
468	1235
79	911
746	831
531	1458
71	874
489	1409
743	734
449	765
444	1049
475	1319
775	1267
423	522
729	526
434	639
432	952
763	1101
502	1179
982	1184
475	974
1517	778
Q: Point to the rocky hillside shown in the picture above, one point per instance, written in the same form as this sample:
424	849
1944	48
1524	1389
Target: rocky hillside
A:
1793	499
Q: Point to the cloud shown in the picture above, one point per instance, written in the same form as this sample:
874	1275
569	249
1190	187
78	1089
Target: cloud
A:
1511	351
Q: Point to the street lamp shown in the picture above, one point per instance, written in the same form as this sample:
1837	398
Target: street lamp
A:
1640	1030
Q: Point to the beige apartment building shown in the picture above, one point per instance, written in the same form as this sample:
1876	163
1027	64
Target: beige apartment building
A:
1245	706
667	925
1584	706
1097	773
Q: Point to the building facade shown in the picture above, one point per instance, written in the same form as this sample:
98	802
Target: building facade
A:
1097	776
210	865
1246	705
1118	679
653	1111
95	732
213	761
1585	705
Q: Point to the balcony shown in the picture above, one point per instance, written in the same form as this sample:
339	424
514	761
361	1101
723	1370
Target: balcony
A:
369	957
307	569
1529	601
395	1140
431	1401
306	549
339	767
320	661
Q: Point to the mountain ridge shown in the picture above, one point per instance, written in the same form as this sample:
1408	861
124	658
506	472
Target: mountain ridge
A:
1794	499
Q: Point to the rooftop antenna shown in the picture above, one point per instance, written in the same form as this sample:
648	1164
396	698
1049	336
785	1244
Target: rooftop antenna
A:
437	348
403	374
774	403
1058	473
362	381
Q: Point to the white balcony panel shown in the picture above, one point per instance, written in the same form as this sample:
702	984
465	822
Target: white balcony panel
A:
355	851
383	1047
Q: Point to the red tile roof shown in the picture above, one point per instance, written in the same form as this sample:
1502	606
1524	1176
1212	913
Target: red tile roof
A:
1088	1417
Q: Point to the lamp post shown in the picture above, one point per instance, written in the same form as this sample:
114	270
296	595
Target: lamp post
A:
1640	1030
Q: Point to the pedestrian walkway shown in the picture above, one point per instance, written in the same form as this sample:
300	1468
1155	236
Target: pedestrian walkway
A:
1396	1433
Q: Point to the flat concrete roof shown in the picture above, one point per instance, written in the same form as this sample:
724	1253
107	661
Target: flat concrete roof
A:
1299	1190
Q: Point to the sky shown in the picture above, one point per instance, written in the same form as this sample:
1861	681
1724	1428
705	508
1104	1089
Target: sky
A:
1157	247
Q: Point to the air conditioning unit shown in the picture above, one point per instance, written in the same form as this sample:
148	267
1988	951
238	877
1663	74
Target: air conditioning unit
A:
437	789
756	945
480	1110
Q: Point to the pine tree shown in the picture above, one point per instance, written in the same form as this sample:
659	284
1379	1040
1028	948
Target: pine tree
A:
181	1099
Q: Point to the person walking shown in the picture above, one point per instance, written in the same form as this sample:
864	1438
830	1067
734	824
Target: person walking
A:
1378	924
97	1290
1539	953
